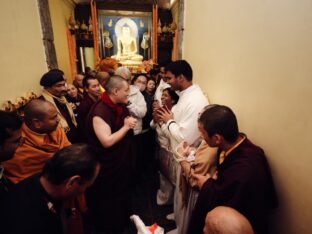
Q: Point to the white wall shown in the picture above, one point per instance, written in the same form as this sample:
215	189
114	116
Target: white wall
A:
22	58
256	57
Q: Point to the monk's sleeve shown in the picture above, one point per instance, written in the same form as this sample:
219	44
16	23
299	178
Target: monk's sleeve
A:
230	189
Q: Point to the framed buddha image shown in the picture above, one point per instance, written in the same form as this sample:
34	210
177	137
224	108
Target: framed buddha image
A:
125	35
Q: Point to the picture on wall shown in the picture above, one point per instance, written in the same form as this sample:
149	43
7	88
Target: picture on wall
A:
125	35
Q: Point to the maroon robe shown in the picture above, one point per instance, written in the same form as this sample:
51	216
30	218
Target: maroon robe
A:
244	183
82	113
109	199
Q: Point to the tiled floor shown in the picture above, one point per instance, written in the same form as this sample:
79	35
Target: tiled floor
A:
144	199
145	206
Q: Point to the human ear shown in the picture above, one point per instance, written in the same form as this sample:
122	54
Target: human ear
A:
115	91
181	76
36	123
72	181
218	138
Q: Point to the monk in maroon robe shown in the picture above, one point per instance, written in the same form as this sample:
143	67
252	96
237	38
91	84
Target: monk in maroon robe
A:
243	181
109	127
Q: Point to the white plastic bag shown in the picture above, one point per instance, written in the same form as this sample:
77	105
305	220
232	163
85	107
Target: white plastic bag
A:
142	229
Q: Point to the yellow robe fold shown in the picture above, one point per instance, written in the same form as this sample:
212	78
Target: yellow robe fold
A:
31	156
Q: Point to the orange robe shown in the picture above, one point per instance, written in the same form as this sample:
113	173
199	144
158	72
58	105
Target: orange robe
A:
31	156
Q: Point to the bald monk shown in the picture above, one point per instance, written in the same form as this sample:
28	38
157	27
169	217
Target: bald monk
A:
102	77
226	220
42	138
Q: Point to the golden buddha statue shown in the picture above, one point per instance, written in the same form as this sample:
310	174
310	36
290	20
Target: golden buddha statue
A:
127	46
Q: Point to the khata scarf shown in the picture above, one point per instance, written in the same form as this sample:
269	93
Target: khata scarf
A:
117	108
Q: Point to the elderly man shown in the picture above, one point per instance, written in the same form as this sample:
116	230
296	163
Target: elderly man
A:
50	202
42	138
54	91
136	105
109	127
10	139
244	180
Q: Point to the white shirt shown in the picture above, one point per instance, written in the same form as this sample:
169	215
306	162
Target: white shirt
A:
137	108
185	114
163	135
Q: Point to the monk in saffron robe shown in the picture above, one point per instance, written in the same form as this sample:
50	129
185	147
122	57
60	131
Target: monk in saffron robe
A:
42	138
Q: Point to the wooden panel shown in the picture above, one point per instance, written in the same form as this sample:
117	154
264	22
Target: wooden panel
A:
47	34
131	5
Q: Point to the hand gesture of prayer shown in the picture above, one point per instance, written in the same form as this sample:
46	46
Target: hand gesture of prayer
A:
156	105
130	122
156	117
165	114
104	133
201	179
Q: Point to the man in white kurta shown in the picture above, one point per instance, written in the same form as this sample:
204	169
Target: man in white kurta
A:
181	122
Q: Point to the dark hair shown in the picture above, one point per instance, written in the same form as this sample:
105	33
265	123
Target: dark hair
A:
57	71
136	76
8	121
151	79
218	119
76	159
154	71
85	81
174	96
88	70
180	67
51	77
82	74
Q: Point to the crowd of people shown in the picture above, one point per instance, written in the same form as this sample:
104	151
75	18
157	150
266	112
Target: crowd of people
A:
78	150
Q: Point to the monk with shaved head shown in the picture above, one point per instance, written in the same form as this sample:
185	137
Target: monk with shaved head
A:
41	116
109	127
102	77
42	138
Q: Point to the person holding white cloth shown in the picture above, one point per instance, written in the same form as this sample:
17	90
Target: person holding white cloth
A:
181	121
